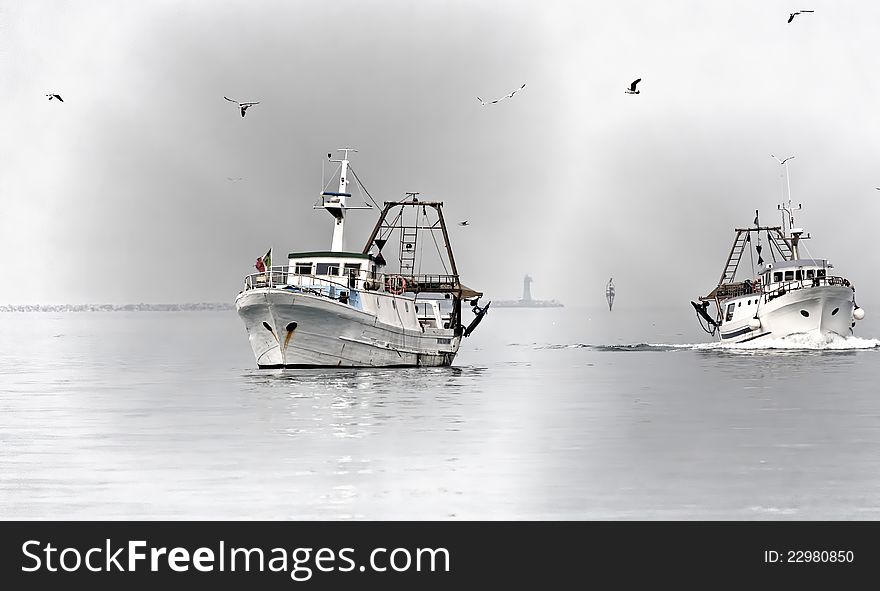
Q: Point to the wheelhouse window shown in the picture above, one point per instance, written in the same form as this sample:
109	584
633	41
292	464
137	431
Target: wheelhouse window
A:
777	276
820	273
327	269
729	316
811	273
798	275
303	269
789	275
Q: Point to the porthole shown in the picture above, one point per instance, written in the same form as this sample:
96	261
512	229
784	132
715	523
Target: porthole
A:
835	311
291	326
804	313
267	327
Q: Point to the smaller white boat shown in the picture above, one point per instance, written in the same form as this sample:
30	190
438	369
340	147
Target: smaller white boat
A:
789	295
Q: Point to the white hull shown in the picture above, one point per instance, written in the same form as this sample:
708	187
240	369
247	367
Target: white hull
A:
292	329
819	310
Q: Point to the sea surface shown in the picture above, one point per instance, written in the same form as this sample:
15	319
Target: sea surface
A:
560	414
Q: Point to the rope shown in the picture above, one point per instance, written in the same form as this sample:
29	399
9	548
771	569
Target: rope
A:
751	255
707	328
421	242
361	185
437	246
331	178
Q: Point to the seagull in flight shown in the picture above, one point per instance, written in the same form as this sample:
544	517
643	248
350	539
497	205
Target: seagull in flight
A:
509	95
464	223
57	96
794	14
781	161
632	87
242	106
229	178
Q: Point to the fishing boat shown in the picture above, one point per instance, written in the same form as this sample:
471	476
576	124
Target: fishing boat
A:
345	308
788	295
609	293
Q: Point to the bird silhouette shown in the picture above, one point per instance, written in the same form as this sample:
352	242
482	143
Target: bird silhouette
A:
632	87
58	96
463	223
794	14
781	161
506	96
243	106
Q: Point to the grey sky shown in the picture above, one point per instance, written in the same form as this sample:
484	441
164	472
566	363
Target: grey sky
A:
121	194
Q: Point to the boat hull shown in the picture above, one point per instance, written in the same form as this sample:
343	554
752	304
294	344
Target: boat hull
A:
822	310
294	330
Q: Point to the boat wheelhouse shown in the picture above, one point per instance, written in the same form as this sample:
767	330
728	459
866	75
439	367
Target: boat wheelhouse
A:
346	309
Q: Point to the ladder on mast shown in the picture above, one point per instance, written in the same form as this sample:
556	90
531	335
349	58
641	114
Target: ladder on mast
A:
409	236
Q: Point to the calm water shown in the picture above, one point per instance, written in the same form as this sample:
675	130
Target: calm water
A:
548	414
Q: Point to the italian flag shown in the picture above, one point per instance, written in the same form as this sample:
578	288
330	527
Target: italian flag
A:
267	259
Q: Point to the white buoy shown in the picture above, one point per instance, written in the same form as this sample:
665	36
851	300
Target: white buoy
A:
754	323
859	313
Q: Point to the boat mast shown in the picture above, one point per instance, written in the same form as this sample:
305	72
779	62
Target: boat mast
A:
794	234
336	202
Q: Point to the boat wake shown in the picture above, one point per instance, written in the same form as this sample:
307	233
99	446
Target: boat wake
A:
657	347
809	342
797	342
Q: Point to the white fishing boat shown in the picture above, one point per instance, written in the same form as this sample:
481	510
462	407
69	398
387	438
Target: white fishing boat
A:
789	295
344	308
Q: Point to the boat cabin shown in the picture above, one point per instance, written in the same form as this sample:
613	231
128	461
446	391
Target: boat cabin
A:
794	274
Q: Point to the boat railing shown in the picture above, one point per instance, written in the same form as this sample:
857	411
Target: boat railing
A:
394	283
730	290
783	288
725	291
430	283
281	277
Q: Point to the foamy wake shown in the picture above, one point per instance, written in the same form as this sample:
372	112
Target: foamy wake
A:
798	342
809	341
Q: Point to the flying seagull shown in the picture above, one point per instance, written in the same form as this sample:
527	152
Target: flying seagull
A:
242	106
58	96
510	95
515	91
794	14
781	161
632	87
464	223
229	178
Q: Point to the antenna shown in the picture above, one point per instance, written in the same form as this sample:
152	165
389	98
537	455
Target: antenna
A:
786	211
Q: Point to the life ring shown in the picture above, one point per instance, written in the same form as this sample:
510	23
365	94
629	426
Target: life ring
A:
395	284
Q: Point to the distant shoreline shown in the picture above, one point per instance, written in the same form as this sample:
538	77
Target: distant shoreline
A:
192	307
